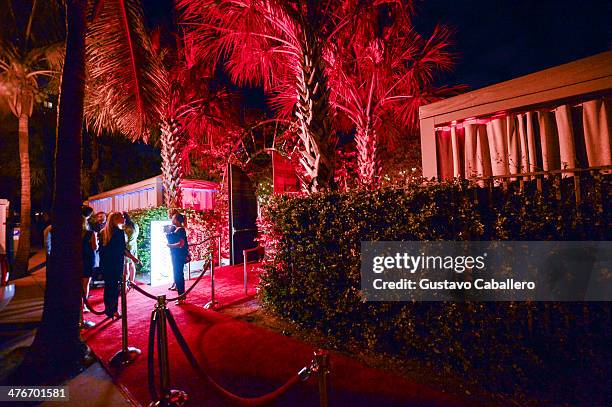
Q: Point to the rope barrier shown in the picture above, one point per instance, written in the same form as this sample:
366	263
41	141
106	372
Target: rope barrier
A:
89	306
169	397
143	292
303	375
182	296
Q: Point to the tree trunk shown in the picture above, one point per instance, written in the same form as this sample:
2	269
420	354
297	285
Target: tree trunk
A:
368	161
23	250
315	131
96	186
171	166
57	347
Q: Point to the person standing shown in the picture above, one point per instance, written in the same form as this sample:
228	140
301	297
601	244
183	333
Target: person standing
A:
112	253
132	230
179	251
97	223
90	247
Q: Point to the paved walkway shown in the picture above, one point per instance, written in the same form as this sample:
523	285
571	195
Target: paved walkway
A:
18	322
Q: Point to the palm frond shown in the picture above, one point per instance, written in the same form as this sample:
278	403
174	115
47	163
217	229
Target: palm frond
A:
126	80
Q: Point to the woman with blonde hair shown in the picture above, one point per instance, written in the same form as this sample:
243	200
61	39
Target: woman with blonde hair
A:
113	250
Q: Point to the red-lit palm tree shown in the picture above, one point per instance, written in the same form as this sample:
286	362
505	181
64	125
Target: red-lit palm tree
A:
277	43
380	72
126	80
136	84
197	113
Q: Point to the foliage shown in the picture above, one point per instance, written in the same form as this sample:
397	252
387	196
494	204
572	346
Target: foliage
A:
312	275
143	218
200	226
380	72
126	82
264	191
28	64
111	161
278	44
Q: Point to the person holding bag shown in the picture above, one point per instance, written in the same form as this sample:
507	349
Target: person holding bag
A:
179	251
113	250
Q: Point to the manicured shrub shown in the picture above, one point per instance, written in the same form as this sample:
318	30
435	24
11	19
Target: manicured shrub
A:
312	274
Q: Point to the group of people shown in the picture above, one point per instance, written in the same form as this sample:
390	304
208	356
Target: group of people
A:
110	246
110	243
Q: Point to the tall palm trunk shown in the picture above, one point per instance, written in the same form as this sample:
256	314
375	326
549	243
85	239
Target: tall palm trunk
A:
96	186
171	166
58	346
315	131
23	251
368	160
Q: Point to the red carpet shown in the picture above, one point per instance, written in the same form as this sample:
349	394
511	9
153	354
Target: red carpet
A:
245	359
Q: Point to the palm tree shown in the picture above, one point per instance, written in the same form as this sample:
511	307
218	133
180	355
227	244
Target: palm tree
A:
196	113
57	347
126	81
280	44
135	84
380	72
27	62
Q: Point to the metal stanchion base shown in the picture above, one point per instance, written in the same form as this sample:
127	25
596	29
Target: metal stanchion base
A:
211	305
122	358
174	398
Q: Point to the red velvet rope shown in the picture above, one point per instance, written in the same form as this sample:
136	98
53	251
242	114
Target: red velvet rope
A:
180	297
90	308
246	401
146	294
143	292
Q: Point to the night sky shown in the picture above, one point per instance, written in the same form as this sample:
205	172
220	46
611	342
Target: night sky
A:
500	40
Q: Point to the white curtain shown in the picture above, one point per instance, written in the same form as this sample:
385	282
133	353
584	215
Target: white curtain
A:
477	152
565	137
102	205
597	119
144	198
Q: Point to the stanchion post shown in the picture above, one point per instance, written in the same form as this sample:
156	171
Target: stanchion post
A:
244	258
219	249
212	303
323	369
162	348
170	397
127	354
212	283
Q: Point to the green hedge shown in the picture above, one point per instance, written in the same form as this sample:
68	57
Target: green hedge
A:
312	274
200	226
